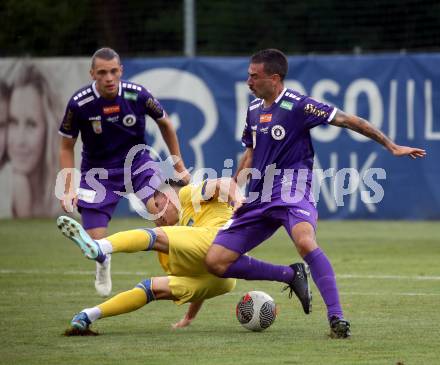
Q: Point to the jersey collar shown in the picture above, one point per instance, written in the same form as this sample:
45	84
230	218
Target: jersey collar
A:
275	101
98	95
280	96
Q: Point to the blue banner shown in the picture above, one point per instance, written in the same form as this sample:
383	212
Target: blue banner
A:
207	99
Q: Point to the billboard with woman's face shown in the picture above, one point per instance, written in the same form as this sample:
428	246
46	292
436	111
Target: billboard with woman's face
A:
32	98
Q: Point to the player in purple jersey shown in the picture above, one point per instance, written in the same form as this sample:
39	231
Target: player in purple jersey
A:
110	114
279	146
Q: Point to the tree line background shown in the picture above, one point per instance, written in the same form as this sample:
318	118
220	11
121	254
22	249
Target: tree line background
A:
226	27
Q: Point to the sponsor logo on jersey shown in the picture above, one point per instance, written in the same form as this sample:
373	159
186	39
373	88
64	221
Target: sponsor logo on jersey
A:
86	100
130	96
67	122
129	120
98	117
265	118
97	127
111	109
286	105
264	130
154	106
113	119
312	109
278	132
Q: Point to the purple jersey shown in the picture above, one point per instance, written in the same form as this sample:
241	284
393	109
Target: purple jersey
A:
280	136
109	128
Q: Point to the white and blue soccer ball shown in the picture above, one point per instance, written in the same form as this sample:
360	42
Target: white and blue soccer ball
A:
256	311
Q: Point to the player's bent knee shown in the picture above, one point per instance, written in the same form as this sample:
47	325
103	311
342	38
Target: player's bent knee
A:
147	287
306	245
161	288
214	265
219	258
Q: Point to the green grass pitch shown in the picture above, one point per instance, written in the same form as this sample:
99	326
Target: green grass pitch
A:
388	274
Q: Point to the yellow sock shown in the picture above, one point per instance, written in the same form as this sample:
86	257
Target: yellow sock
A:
131	241
125	302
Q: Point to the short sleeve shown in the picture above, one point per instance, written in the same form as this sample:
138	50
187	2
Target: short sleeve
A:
153	107
198	192
315	113
69	126
185	195
246	138
192	194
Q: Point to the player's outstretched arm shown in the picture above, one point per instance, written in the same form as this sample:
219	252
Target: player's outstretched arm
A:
190	315
367	129
170	137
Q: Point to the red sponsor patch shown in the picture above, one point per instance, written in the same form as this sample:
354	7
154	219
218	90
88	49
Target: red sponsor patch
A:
265	118
111	109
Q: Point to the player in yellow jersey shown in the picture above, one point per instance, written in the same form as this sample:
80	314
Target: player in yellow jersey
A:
200	210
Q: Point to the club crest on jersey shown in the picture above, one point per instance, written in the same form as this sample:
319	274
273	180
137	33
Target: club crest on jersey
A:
129	120
265	118
278	132
97	127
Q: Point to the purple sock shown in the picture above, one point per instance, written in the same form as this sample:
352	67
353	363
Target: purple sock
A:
248	268
324	278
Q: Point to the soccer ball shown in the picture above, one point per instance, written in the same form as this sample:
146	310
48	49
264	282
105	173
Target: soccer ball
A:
256	311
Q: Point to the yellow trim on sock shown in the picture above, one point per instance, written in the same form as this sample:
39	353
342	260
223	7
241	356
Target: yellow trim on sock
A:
130	241
124	302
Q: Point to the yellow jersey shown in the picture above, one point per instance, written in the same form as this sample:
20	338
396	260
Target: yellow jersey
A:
189	241
198	212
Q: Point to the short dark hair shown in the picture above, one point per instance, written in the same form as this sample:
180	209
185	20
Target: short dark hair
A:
274	61
105	53
169	183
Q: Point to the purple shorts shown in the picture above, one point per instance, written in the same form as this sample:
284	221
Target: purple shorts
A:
97	200
248	228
